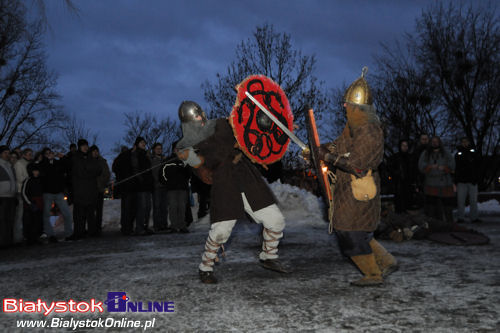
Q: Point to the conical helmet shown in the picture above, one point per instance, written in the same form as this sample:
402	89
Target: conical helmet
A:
189	111
359	91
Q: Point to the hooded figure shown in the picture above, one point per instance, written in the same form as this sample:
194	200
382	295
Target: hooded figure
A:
356	155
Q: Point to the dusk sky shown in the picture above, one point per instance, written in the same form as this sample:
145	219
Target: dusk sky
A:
122	56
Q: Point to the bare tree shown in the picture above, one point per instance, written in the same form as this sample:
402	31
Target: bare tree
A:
407	102
40	7
29	112
147	125
271	54
75	129
460	50
336	115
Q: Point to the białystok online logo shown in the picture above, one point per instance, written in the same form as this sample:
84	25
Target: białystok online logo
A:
117	302
22	306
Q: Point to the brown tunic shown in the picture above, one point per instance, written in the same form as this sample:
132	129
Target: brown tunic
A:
230	179
366	145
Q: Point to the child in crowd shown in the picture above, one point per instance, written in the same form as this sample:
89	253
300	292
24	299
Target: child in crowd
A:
32	194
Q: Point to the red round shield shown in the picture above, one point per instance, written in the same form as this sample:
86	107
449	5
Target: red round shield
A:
257	135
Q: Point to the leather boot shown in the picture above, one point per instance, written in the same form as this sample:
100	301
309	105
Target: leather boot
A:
275	265
207	277
386	261
368	266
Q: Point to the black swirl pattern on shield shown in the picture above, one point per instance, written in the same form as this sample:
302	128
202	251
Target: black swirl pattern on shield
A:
260	137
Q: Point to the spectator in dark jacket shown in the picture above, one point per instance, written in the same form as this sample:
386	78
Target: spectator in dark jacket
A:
176	177
7	197
125	190
133	169
54	173
72	149
102	182
467	171
32	195
400	167
68	158
84	173
160	203
141	165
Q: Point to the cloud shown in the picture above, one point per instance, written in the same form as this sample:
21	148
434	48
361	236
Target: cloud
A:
150	55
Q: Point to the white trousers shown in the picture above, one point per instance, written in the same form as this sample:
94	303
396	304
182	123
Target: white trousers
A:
270	217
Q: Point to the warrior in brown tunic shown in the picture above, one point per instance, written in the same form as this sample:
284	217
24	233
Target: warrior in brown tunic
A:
356	155
210	148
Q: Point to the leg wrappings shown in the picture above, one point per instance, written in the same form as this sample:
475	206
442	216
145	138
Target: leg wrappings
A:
270	244
210	256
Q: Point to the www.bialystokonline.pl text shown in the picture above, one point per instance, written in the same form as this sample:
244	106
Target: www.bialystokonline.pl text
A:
87	323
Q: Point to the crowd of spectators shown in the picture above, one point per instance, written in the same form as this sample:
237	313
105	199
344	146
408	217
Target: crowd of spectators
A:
34	187
143	178
37	185
430	177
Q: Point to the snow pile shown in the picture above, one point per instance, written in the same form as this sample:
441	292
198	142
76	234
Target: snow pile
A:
490	207
111	214
298	205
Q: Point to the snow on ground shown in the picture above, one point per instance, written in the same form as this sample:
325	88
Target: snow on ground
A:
490	207
439	288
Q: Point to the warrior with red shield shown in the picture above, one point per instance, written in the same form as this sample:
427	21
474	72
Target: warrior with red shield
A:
212	149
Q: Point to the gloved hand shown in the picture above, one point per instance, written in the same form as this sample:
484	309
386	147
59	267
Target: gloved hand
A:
320	151
343	164
306	154
189	156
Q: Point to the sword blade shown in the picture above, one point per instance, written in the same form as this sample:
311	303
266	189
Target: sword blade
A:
277	122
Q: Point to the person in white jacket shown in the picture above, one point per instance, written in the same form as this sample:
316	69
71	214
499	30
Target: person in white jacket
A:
21	171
